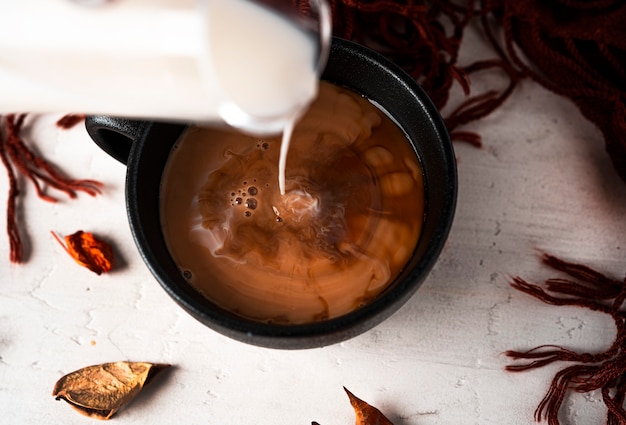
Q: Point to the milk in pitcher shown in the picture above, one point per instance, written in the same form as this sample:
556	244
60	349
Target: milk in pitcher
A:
194	61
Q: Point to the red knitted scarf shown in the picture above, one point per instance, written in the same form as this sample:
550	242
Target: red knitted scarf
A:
576	48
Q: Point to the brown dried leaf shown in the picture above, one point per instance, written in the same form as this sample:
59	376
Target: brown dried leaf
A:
88	251
101	390
365	413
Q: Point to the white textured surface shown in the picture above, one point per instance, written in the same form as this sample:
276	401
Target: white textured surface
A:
542	181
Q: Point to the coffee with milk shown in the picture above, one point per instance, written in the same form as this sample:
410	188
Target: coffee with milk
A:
345	227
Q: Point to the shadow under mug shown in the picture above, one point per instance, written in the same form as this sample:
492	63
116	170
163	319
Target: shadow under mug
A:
145	146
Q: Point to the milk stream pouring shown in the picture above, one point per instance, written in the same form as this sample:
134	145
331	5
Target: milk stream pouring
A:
199	61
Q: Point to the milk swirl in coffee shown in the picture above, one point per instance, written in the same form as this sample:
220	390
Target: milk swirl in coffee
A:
346	225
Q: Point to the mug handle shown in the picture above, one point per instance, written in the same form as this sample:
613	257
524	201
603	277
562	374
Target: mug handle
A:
114	135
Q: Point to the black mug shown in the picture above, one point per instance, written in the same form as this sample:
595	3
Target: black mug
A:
145	146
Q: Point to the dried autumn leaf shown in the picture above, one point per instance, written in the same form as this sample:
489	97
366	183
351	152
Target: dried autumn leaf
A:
101	390
88	251
365	413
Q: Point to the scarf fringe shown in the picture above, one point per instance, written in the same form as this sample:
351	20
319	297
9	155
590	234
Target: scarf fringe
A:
19	158
604	371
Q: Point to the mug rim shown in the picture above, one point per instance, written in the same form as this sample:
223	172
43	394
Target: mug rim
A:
307	335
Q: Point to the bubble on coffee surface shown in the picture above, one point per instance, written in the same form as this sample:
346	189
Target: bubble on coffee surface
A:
346	226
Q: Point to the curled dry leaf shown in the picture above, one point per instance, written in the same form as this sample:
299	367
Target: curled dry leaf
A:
365	413
101	390
88	251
